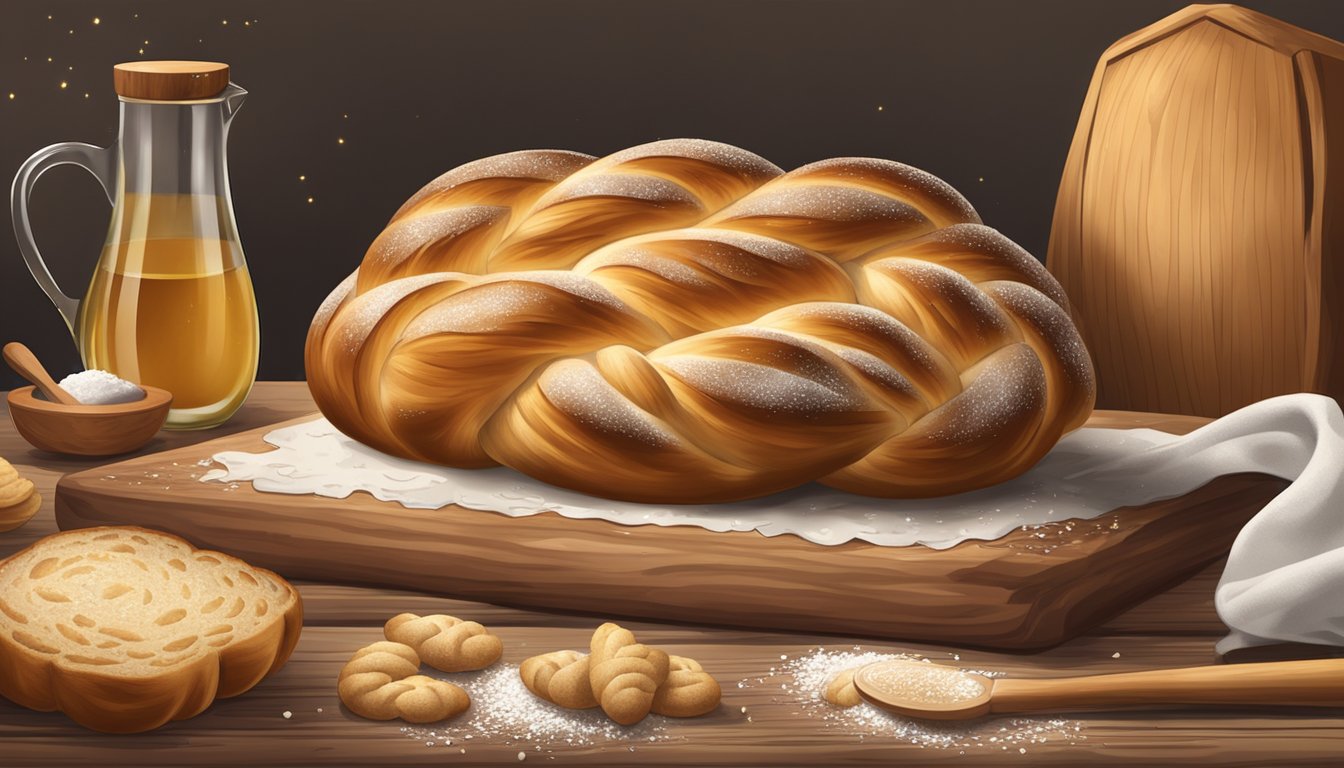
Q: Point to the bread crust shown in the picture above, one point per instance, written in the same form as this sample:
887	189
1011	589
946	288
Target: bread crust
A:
19	500
121	703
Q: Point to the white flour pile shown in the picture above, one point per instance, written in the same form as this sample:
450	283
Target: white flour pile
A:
503	710
95	387
803	681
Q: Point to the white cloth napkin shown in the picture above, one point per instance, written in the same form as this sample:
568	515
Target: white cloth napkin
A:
1284	579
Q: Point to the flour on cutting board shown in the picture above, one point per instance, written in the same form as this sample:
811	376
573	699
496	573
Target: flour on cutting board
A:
315	458
1283	575
1090	472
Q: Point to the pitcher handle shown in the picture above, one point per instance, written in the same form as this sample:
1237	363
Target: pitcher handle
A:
102	163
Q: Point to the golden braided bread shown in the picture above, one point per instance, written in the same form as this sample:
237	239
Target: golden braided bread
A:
683	322
565	678
689	690
445	643
381	682
560	677
625	675
841	692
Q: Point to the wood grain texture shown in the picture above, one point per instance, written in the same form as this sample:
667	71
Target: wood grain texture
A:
777	733
1177	628
89	430
1029	589
22	360
170	80
1305	683
1193	229
1323	76
272	402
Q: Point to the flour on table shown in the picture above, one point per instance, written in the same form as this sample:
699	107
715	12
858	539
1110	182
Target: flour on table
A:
800	682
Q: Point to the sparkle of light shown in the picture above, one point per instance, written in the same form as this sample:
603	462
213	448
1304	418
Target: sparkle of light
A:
48	58
310	199
879	107
86	95
302	177
64	85
97	20
982	178
142	51
11	95
225	22
340	141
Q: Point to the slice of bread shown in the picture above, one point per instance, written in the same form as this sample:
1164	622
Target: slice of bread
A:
124	629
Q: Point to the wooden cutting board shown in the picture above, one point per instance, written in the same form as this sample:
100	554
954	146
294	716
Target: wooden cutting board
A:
1027	590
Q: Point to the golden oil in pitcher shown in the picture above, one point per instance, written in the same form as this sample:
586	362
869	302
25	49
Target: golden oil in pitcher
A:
175	313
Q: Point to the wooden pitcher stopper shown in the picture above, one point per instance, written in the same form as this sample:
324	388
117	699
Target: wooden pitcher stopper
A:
170	80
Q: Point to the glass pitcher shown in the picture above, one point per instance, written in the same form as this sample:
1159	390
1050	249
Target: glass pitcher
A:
170	303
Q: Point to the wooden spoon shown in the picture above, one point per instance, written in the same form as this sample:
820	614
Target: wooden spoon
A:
26	364
937	692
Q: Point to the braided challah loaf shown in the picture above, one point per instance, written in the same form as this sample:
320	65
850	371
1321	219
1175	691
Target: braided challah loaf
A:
683	322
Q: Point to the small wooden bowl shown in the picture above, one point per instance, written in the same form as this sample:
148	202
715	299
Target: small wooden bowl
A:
89	430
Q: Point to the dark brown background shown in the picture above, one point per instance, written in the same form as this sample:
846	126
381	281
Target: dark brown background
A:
984	93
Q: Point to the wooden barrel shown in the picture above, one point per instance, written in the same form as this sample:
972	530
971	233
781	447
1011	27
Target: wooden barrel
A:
1200	221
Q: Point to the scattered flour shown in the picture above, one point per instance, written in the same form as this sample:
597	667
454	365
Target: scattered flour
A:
503	710
803	680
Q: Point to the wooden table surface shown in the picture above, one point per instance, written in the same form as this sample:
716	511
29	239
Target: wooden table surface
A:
759	722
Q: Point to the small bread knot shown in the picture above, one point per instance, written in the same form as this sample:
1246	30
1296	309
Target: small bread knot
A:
841	692
689	690
560	677
446	643
18	500
381	682
625	674
626	678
